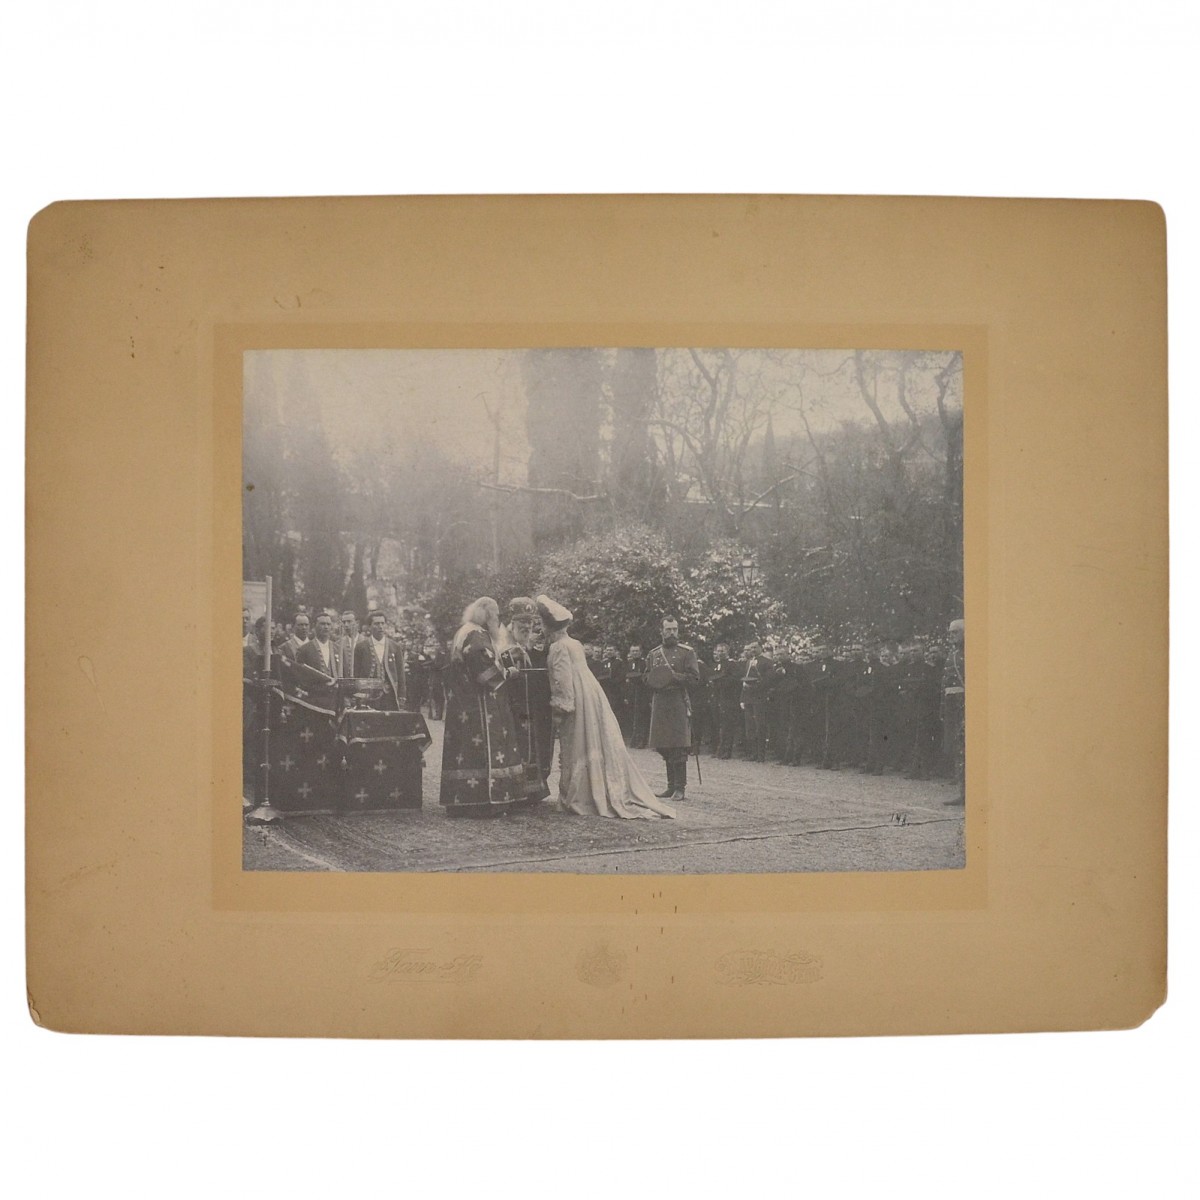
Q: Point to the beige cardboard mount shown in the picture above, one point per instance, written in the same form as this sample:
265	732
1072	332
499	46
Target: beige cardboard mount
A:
140	919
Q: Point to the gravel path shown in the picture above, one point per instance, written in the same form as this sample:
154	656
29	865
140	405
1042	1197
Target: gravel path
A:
745	817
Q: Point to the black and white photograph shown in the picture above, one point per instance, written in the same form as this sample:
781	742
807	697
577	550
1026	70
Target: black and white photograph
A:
407	305
596	610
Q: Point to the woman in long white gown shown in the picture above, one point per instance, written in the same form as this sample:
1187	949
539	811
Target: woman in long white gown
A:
597	777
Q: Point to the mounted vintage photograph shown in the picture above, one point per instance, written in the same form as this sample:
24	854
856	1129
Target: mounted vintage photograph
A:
603	610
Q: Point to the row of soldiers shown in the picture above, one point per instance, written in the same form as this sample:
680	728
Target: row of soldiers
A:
880	708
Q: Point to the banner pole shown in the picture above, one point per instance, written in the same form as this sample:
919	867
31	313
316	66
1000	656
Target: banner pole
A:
265	813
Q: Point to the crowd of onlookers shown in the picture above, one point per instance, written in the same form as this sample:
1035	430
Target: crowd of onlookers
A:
881	707
886	707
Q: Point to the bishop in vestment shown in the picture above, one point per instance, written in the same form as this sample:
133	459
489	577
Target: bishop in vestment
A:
483	773
529	695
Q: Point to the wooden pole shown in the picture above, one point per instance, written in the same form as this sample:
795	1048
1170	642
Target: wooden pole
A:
265	813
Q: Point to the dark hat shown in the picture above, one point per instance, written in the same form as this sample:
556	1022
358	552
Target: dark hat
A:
521	606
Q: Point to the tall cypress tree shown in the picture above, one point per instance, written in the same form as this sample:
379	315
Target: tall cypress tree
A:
564	392
634	484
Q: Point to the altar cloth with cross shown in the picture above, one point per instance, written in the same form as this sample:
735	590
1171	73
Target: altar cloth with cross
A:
355	760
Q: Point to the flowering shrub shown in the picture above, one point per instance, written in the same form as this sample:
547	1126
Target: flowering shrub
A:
619	585
720	607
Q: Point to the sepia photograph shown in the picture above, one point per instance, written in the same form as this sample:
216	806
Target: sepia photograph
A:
603	610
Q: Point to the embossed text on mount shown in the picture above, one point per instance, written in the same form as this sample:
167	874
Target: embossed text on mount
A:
419	966
765	966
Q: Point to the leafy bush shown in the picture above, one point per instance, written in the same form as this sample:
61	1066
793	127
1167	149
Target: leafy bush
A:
720	607
619	585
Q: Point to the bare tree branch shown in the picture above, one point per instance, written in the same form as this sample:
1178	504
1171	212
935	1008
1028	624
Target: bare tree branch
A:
777	484
942	382
541	491
712	383
869	398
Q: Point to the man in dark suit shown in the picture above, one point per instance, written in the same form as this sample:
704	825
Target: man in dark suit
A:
254	650
377	656
289	648
436	654
611	673
253	654
417	667
297	637
637	699
319	660
349	638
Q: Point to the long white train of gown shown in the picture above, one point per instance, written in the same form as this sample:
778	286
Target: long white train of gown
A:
597	775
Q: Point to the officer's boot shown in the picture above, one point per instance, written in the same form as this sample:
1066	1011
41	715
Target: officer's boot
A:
670	782
680	781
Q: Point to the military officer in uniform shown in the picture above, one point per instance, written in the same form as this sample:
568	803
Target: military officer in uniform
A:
909	668
758	677
698	699
779	700
876	681
725	695
821	684
794	689
857	684
927	717
670	715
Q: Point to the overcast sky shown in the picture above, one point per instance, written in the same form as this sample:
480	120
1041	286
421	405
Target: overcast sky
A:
438	396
